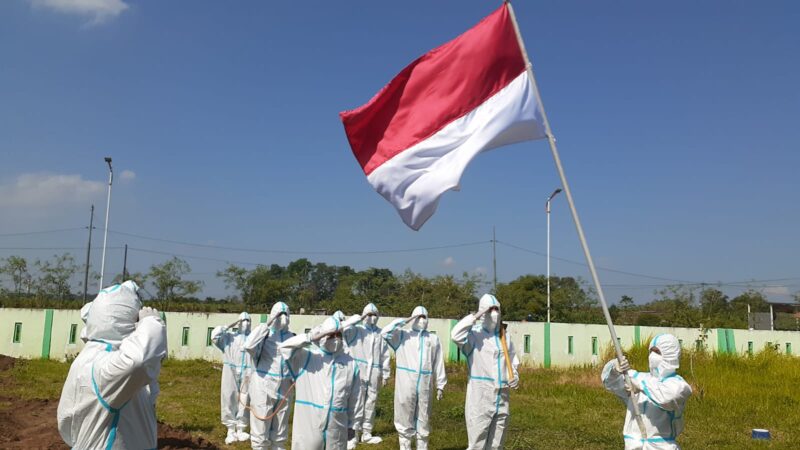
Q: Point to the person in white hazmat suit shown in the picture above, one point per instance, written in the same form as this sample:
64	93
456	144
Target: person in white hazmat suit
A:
108	399
327	386
371	353
236	366
270	382
420	369
487	404
661	395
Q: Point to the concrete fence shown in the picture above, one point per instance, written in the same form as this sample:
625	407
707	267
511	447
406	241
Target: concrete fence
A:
55	334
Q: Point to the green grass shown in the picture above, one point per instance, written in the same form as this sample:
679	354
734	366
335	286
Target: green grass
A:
564	408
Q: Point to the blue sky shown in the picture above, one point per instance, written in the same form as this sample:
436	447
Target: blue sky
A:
677	125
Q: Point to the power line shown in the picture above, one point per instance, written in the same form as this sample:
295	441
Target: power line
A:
29	233
302	252
54	248
653	277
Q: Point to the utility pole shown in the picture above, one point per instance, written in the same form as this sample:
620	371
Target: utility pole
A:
494	259
88	254
125	265
105	234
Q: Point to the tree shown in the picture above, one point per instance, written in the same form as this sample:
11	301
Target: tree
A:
137	277
235	277
17	268
167	278
54	277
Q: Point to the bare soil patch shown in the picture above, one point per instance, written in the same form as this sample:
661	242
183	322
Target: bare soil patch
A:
32	423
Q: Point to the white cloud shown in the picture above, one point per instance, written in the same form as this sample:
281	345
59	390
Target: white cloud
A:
99	11
43	190
127	175
776	290
449	261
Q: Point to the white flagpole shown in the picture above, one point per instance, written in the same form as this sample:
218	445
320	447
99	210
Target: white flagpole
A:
554	150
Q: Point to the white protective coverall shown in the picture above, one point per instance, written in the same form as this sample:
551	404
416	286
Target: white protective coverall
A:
367	347
661	395
420	369
108	399
269	384
326	389
487	404
236	366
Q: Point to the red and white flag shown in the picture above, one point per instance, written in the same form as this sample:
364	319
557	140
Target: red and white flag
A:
415	138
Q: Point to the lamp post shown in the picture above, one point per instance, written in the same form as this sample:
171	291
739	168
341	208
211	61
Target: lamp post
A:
108	208
547	211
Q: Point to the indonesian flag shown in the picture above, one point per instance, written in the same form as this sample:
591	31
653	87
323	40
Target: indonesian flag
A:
415	138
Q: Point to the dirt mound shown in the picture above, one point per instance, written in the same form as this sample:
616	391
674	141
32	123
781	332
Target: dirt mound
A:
6	362
32	423
172	438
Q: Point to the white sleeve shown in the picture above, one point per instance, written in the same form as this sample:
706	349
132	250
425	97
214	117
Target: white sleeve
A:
253	343
121	374
296	352
460	334
438	367
392	333
386	362
219	337
613	381
667	394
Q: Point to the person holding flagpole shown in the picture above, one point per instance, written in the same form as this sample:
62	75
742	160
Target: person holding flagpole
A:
415	138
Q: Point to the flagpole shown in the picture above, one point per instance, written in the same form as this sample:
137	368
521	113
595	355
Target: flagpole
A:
554	150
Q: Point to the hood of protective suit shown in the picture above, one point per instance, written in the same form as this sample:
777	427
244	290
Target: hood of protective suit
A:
370	309
330	344
490	319
420	323
113	314
371	320
339	315
668	362
281	311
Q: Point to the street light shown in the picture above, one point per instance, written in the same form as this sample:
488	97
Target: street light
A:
108	208
547	210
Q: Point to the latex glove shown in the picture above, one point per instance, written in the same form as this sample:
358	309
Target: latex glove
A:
148	312
622	367
439	394
630	387
514	383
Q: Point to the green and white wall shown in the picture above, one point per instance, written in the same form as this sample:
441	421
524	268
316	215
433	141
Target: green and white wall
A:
55	334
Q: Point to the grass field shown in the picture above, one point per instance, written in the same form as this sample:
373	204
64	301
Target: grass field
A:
553	409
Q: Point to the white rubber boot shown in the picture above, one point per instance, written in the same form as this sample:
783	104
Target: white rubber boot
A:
422	443
241	435
405	444
368	438
231	437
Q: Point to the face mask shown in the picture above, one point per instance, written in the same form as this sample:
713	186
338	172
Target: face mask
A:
491	320
655	361
332	344
371	320
421	323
